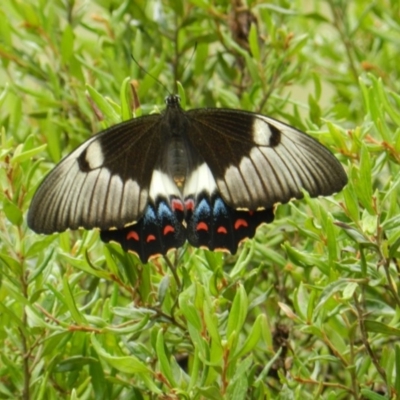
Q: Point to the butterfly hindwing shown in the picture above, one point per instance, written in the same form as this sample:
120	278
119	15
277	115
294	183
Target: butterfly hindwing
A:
158	231
212	224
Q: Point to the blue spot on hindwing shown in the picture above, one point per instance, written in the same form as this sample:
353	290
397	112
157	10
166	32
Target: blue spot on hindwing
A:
149	216
220	208
164	211
202	209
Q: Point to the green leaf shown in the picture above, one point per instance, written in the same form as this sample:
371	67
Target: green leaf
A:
306	259
211	322
165	365
12	212
364	184
126	364
75	363
27	155
253	42
338	286
41	244
397	369
85	266
301	301
380	327
104	106
371	395
190	313
126	99
70	302
182	94
252	339
352	204
237	315
237	389
67	44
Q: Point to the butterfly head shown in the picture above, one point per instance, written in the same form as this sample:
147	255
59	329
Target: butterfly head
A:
173	101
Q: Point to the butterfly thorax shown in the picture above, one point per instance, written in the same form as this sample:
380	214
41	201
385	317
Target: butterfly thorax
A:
174	122
175	149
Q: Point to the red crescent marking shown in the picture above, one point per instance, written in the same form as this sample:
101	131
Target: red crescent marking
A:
132	235
189	204
222	229
150	238
177	205
241	222
202	226
168	229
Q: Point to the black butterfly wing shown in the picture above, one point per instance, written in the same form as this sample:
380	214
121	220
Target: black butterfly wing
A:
250	162
257	161
103	184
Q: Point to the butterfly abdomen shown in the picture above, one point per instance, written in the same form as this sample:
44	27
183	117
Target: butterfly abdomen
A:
175	160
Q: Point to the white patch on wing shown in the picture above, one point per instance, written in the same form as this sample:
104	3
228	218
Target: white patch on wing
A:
85	201
99	195
133	200
200	179
70	210
261	132
281	182
223	190
248	169
237	187
94	155
162	185
113	202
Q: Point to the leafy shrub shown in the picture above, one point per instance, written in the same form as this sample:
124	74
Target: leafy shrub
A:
308	309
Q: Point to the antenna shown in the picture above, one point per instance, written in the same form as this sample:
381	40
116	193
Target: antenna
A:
191	57
156	79
149	74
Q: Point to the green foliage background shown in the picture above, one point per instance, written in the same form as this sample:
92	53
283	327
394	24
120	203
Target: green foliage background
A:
309	309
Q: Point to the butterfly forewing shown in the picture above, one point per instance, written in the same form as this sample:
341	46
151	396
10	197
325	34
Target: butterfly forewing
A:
209	176
103	184
258	161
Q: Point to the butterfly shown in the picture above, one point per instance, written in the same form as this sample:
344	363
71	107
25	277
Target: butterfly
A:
209	176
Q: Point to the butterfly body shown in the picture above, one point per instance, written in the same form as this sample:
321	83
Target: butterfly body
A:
209	176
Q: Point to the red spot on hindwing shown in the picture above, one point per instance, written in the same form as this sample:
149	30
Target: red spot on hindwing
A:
168	229
150	238
177	205
202	226
239	223
222	229
189	204
132	235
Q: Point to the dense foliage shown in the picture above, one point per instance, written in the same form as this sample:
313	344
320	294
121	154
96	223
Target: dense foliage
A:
309	309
